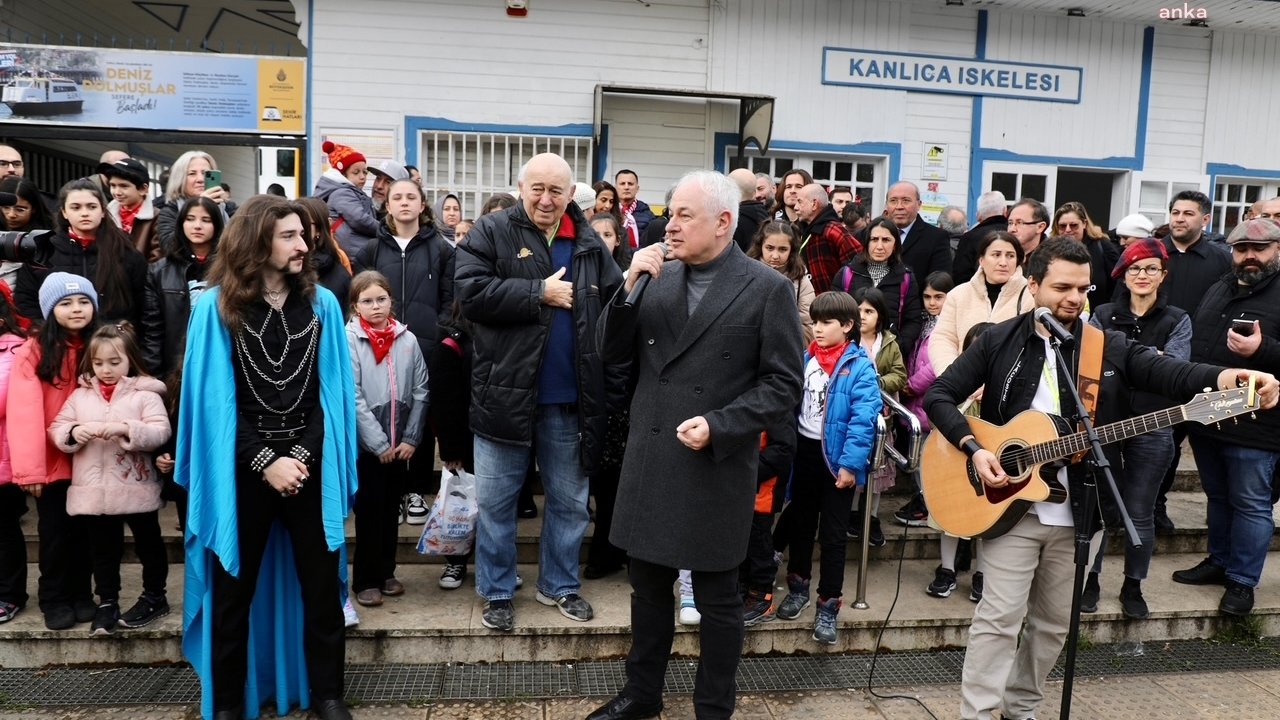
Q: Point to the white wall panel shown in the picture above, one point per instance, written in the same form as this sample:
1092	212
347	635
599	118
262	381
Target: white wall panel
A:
1102	124
1179	94
1240	125
659	139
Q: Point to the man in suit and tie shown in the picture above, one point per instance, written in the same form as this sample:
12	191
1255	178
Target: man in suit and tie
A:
926	248
716	351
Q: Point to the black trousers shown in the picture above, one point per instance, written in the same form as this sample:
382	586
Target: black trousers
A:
65	566
758	570
602	553
13	546
653	630
817	505
258	507
106	536
377	520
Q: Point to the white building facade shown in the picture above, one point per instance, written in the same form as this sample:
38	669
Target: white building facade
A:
1118	109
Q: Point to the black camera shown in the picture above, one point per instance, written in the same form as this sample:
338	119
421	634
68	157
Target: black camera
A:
18	246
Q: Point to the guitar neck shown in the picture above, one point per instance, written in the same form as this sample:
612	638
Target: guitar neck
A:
1078	442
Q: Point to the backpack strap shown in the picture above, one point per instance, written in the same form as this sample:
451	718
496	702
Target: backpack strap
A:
452	344
846	277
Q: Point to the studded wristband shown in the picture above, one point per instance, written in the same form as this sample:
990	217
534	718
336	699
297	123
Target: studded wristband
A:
265	457
300	453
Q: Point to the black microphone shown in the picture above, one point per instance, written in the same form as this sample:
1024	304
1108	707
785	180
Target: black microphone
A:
1055	328
642	282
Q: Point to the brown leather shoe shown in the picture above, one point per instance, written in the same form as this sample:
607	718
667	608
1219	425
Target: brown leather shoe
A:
392	587
369	598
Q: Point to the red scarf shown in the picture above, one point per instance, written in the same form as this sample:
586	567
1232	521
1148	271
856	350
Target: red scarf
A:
380	340
126	217
629	223
107	390
827	357
83	241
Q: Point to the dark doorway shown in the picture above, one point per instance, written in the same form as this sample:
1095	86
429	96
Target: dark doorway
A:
1089	188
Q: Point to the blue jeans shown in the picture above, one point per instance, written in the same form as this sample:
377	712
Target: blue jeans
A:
1146	457
1237	481
500	471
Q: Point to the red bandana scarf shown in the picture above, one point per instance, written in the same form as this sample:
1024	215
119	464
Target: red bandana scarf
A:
380	340
827	357
127	217
82	241
107	391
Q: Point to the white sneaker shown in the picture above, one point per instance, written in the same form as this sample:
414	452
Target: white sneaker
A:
415	509
689	614
349	614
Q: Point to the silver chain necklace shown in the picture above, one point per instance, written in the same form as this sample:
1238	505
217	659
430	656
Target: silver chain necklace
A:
288	336
308	360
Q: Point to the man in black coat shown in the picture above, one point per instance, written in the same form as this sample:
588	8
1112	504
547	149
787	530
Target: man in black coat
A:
751	212
531	279
717	355
925	248
992	217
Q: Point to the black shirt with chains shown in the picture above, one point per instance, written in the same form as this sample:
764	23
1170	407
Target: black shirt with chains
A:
276	358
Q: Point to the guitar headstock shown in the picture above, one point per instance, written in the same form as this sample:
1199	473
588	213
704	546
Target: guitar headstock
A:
1218	405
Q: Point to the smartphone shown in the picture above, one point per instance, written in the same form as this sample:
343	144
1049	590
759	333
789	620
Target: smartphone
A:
1242	326
212	178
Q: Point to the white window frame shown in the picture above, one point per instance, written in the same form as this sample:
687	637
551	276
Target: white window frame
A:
475	165
1268	188
1050	173
1164	186
868	192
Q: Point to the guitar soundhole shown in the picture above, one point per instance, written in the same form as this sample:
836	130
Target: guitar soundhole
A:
1009	460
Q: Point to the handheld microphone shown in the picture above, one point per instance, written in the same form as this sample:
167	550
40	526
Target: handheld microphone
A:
1055	328
642	282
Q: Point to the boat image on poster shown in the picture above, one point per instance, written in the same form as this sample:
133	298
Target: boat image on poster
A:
43	95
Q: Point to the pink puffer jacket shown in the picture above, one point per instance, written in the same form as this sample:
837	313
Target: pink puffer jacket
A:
8	344
114	477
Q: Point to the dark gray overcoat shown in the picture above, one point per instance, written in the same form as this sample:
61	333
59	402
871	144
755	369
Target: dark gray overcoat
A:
735	361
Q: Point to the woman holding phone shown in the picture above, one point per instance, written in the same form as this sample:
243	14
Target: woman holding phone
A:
194	174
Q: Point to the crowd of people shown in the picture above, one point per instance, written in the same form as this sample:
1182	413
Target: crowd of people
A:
731	352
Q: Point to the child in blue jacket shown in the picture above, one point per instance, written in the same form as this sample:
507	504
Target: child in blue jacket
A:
836	428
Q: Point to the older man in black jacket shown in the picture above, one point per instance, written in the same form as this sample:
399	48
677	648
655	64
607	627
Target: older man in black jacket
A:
1029	567
531	279
717	355
1238	322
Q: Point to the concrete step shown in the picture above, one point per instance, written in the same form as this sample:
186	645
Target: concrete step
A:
1185	508
429	624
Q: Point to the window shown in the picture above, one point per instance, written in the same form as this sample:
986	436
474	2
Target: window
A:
864	174
1232	197
474	166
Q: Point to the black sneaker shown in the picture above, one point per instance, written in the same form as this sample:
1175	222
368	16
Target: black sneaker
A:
1132	604
85	610
147	610
1164	526
877	535
757	608
499	615
453	575
975	587
59	617
105	620
944	582
572	606
1206	573
914	513
1089	596
855	525
1237	600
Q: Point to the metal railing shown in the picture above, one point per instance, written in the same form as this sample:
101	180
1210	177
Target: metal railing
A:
883	451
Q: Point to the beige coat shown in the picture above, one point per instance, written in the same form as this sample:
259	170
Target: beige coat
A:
804	298
114	477
966	306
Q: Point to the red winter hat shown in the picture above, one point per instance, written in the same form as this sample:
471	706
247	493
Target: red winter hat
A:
341	157
1141	250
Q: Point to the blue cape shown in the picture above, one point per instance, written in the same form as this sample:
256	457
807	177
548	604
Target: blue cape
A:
206	467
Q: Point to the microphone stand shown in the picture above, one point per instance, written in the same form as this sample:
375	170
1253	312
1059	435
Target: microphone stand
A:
1098	466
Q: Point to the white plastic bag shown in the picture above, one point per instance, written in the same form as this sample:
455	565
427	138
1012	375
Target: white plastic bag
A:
451	524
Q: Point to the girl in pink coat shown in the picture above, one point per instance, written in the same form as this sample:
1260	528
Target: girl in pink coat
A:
110	425
13	503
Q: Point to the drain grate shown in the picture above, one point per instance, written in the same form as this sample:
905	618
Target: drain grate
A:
177	684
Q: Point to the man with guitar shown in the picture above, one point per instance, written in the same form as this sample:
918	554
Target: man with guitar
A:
1030	547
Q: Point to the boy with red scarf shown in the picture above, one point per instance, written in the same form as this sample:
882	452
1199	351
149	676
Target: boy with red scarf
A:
837	427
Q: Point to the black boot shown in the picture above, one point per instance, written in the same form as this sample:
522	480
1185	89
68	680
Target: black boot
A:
1089	598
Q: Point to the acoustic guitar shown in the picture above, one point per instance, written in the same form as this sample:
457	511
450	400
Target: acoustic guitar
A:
1030	448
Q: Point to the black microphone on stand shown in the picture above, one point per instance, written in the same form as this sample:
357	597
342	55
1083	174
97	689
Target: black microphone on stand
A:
1055	328
642	282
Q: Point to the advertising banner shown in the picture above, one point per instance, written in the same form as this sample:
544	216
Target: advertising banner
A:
152	90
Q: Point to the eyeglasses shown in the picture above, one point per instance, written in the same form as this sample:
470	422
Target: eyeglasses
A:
1149	270
1019	223
15	164
374	302
1069	226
